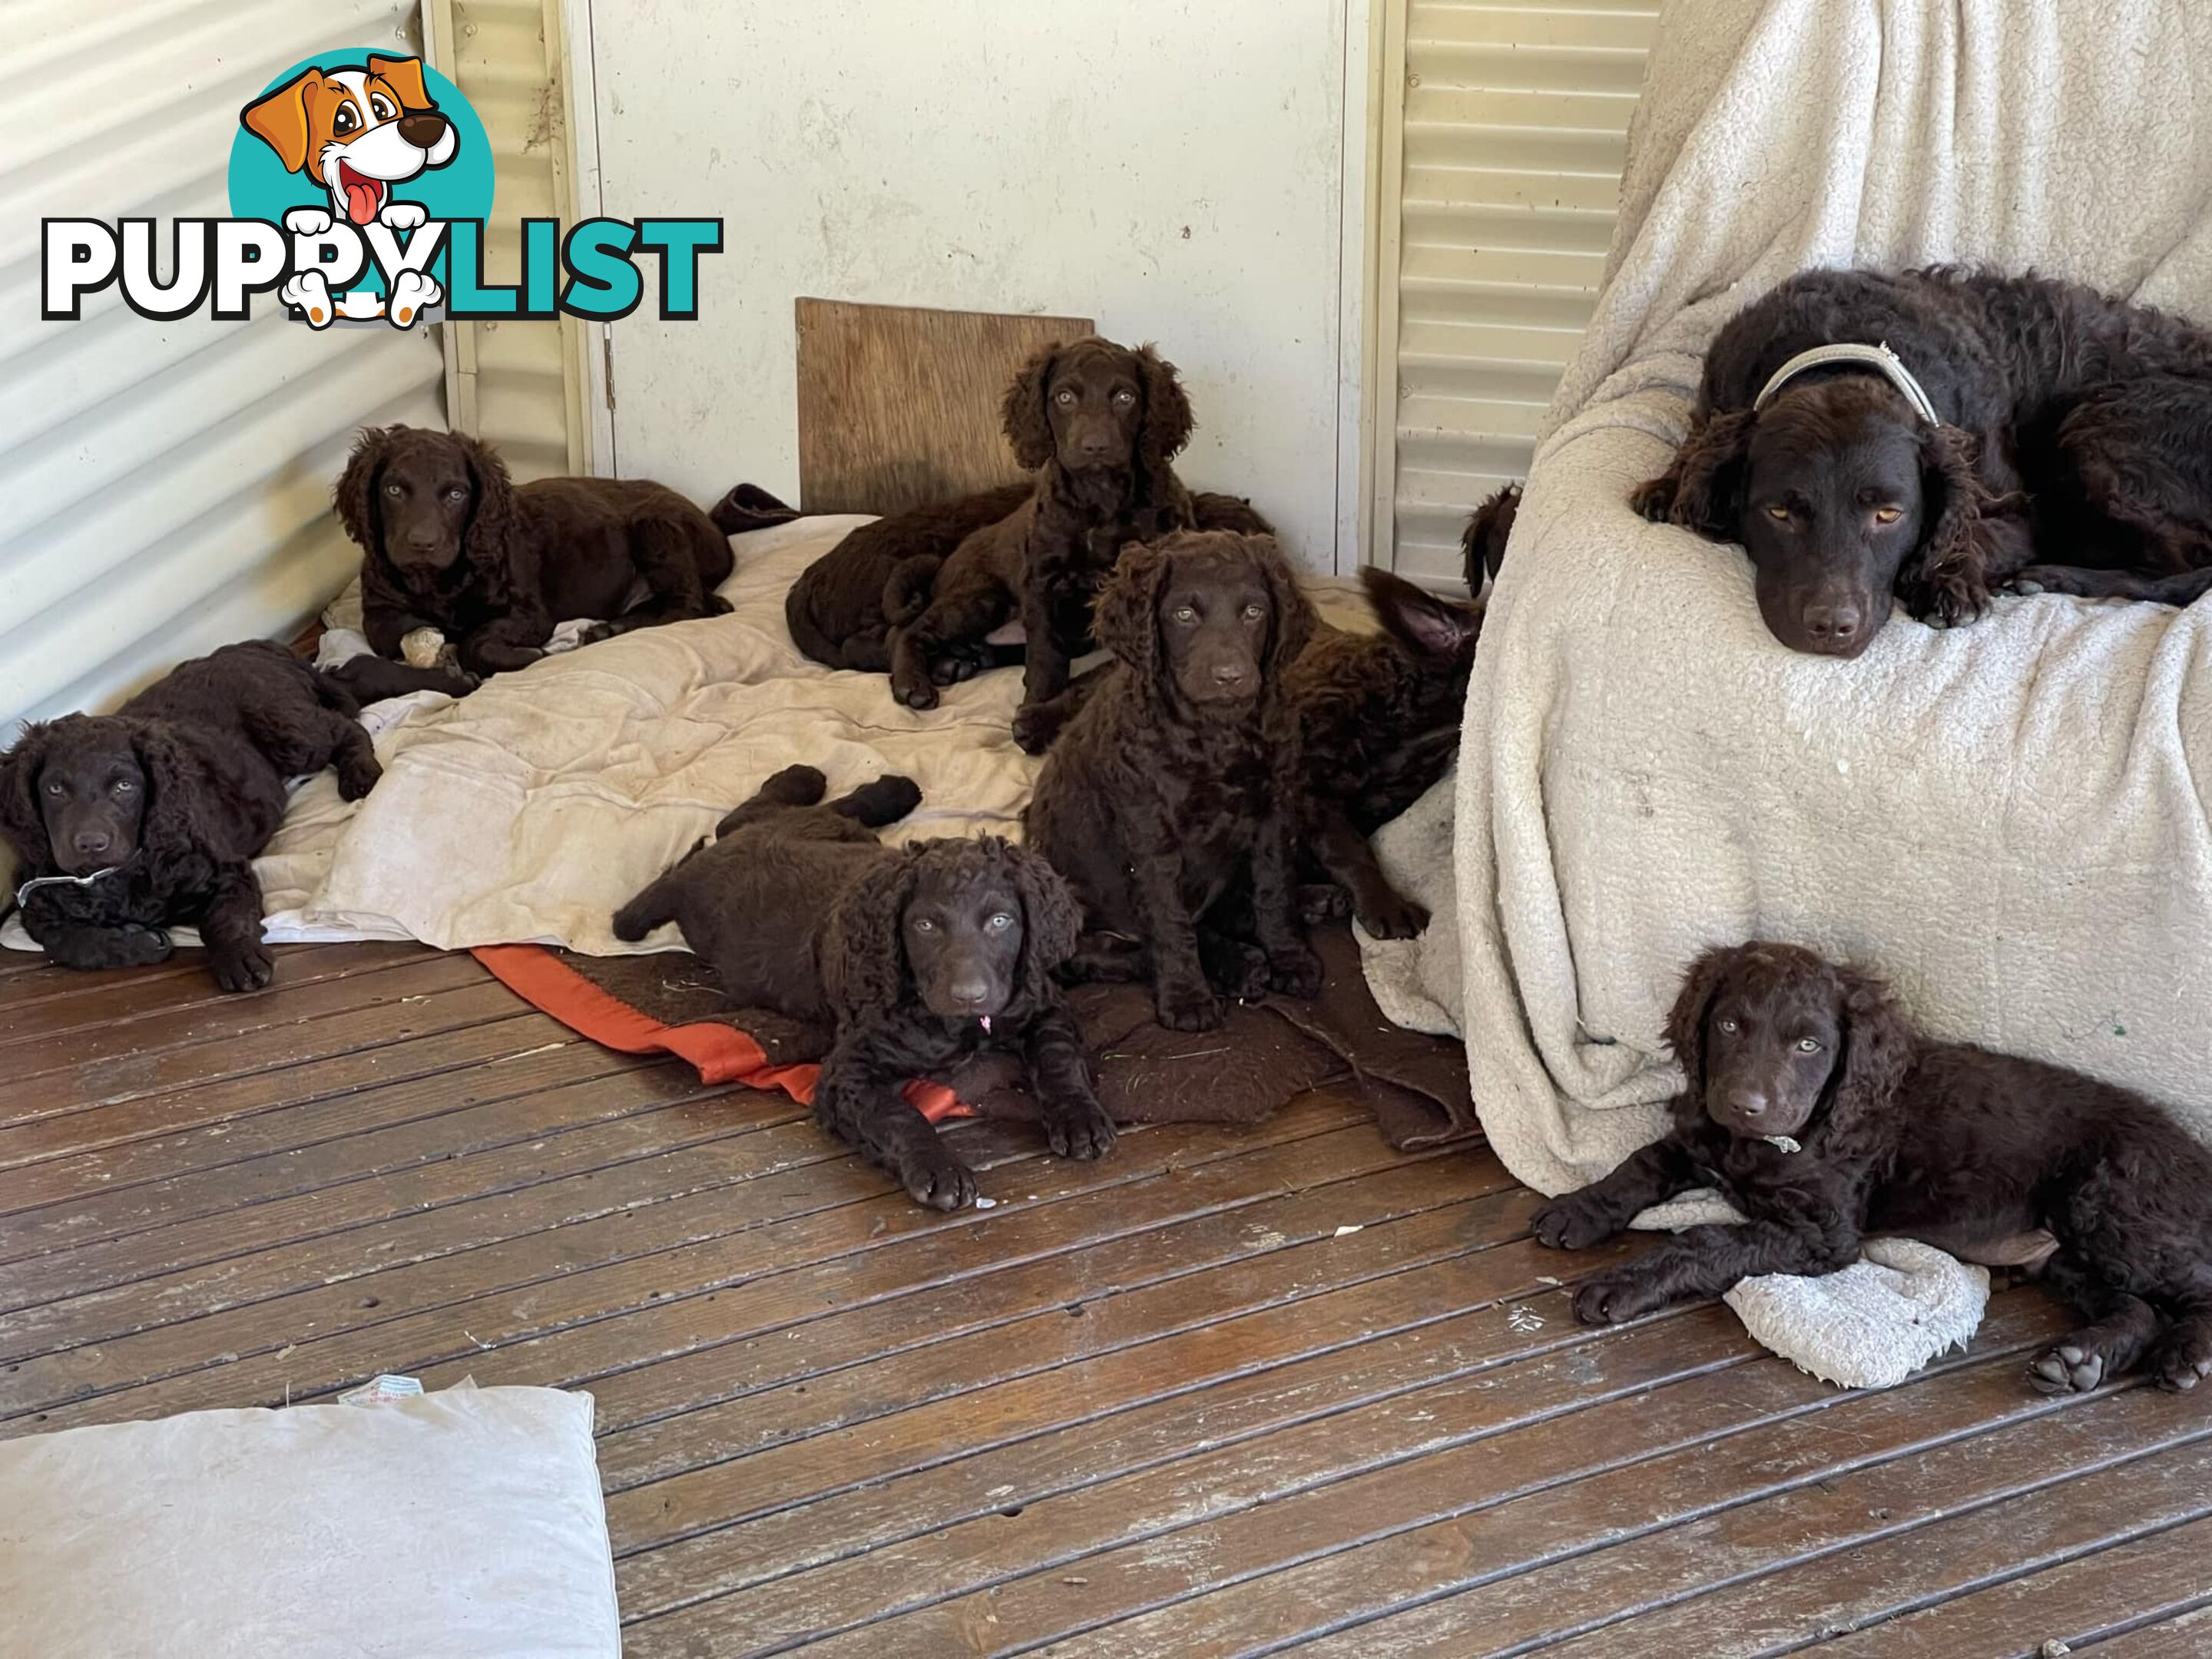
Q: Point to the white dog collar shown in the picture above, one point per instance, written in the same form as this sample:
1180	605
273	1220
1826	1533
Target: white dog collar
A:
1880	358
37	881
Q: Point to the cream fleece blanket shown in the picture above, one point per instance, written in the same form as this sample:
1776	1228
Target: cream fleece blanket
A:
2010	820
532	809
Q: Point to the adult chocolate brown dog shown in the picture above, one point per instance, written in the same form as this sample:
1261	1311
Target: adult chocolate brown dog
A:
1980	423
449	542
1825	1118
1100	423
918	958
131	823
1167	802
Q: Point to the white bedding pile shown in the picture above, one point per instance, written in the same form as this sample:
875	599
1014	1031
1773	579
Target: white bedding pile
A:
2010	820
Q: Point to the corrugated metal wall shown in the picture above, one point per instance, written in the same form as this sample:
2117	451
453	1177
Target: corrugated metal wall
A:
1504	132
518	385
167	485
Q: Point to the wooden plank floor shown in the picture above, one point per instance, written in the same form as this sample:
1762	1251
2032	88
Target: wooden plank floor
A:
1170	1405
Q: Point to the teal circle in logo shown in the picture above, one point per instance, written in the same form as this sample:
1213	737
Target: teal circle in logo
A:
311	116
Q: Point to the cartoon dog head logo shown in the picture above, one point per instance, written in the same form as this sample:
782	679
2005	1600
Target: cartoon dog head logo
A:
356	133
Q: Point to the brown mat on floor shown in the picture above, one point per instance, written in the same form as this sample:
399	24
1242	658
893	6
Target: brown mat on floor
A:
1263	1055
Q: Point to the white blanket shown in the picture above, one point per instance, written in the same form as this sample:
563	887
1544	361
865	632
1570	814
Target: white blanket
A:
530	809
2010	820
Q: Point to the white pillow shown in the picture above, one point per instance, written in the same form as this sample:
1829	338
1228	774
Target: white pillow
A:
465	1524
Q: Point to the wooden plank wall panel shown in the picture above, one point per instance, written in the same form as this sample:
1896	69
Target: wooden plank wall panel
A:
1226	1393
898	406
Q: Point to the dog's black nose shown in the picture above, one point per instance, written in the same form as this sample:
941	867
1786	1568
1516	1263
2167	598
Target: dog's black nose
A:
1748	1104
1836	624
91	843
424	128
970	993
1228	673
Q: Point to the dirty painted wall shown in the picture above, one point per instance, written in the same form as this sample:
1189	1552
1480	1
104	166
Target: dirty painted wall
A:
1172	168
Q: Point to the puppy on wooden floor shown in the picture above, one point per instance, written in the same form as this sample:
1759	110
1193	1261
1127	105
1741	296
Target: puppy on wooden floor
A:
917	958
1816	1108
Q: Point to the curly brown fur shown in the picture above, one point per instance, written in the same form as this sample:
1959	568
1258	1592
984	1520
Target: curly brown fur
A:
1482	544
1896	1133
1167	801
836	610
916	959
2053	399
1376	719
448	541
1101	423
172	797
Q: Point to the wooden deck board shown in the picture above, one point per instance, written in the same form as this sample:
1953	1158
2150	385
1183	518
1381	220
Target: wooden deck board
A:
1226	1393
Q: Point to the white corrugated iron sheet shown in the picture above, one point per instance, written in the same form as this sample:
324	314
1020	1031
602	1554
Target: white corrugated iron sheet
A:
167	485
1515	130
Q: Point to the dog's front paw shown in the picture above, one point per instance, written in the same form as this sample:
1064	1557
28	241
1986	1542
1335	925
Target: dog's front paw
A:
1076	1126
307	220
1615	1297
2073	1367
914	691
937	1180
92	949
1295	972
2051	579
1654	498
2183	1358
309	294
1389	915
1036	725
1571	1222
240	967
1187	1008
413	293
403	215
358	777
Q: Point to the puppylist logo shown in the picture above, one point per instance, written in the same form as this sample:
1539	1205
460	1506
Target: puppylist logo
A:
360	188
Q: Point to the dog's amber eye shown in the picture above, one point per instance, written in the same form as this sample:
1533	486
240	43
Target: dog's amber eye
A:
924	925
1808	1045
1779	515
1184	614
455	493
1727	1025
1064	397
123	786
381	106
999	923
391	489
1255	612
1124	397
345	121
55	789
1887	514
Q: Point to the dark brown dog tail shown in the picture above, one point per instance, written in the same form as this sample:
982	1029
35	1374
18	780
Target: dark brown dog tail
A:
649	910
1483	543
910	587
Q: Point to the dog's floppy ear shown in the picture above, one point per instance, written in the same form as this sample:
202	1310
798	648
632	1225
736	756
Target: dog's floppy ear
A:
864	947
1126	619
184	810
355	493
1023	414
1167	411
1434	629
405	75
1704	490
279	119
491	511
21	823
1946	577
1052	917
1685	1021
1877	1049
1294	620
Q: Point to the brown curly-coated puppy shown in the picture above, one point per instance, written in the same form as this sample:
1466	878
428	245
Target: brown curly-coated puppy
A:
1819	1111
2070	423
449	542
1100	422
131	823
918	958
1377	722
1168	801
